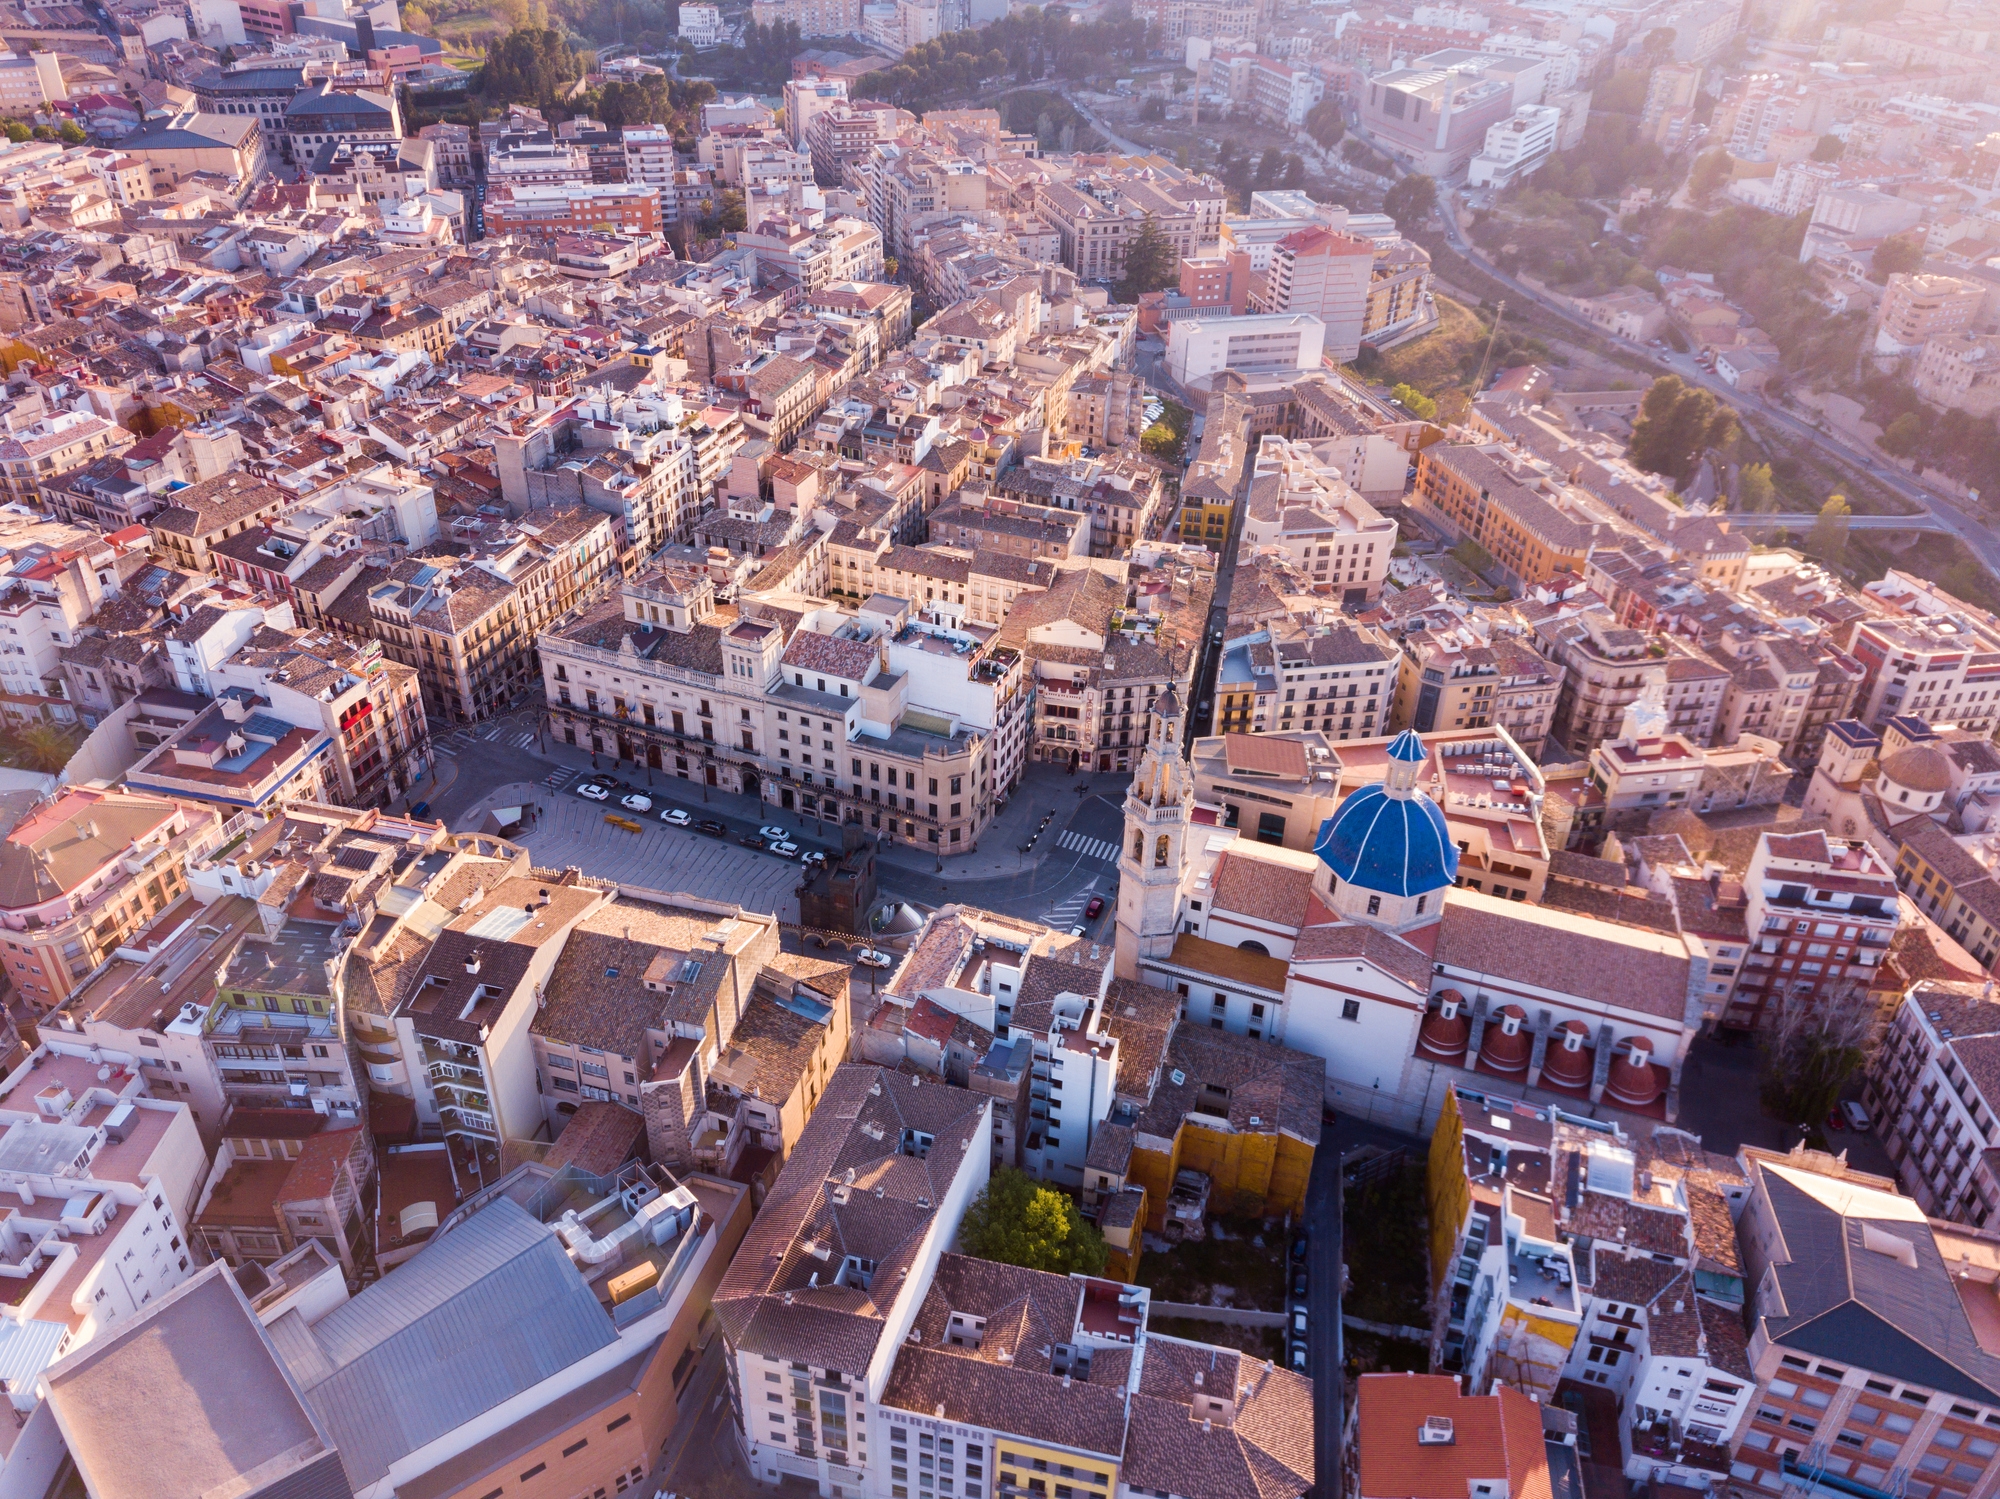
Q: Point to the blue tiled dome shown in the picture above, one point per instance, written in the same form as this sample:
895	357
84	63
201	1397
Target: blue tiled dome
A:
1407	747
1397	845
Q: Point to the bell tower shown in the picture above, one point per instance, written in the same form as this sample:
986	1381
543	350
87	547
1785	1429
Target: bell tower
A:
1159	814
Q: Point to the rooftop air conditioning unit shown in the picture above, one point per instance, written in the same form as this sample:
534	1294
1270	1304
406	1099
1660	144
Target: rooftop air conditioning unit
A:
1435	1432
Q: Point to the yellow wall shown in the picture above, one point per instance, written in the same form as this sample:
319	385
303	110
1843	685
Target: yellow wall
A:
1021	1470
1449	1196
1256	1175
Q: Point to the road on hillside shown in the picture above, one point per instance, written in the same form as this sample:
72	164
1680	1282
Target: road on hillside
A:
1978	539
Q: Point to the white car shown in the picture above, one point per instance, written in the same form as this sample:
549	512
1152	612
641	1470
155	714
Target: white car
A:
591	791
868	957
1857	1116
1076	931
636	801
774	831
675	817
783	848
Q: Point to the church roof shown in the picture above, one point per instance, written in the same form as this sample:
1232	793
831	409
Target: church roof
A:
1407	746
1398	845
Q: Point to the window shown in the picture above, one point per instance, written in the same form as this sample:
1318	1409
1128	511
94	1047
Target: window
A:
1350	1009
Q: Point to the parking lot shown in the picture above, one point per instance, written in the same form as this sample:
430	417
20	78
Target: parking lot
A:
571	830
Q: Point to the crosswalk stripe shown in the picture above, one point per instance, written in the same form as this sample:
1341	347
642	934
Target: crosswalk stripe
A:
1091	848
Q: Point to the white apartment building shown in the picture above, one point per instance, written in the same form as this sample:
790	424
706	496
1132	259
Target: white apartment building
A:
1198	347
1515	146
1280	93
1933	1100
101	1180
806	99
1302	506
701	26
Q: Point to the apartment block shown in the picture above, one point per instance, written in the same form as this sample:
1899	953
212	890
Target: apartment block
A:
1526	518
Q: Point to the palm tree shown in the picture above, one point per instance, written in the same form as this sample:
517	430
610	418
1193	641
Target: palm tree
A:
44	747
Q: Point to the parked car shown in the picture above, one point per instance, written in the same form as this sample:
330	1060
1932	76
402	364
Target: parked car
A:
594	791
1095	908
1077	930
712	828
1299	1321
1299	1247
870	957
636	801
675	817
421	809
1857	1116
1299	1358
774	832
784	848
1298	1285
1834	1121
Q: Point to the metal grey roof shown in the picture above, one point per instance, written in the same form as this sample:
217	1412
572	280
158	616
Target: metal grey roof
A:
1847	1300
479	1315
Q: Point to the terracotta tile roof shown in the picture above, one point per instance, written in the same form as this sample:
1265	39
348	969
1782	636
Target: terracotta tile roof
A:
1615	966
1142	1017
1392	955
1265	1088
1280	892
1497	1436
316	1171
1043	979
1234	964
599	1138
1265	754
766	1301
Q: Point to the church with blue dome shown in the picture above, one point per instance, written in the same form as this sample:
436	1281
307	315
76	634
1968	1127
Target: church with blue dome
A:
1388	847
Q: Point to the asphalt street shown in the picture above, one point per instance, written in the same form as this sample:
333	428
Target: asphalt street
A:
1982	542
1074	859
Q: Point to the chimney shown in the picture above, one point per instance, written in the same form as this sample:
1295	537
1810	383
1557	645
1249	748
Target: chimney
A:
472	961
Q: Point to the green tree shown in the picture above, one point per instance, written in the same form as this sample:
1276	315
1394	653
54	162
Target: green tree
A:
1150	262
1325	124
1711	171
72	133
1902	253
1827	541
1166	439
1677	424
1829	148
730	213
1409	200
1754	490
1903	436
44	747
17	132
1473	555
1415	401
1019	1221
530	65
1813	1047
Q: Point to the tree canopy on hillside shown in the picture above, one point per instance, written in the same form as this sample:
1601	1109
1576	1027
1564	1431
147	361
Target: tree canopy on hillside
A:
529	65
1677	424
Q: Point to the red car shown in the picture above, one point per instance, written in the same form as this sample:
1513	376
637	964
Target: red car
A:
1096	905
